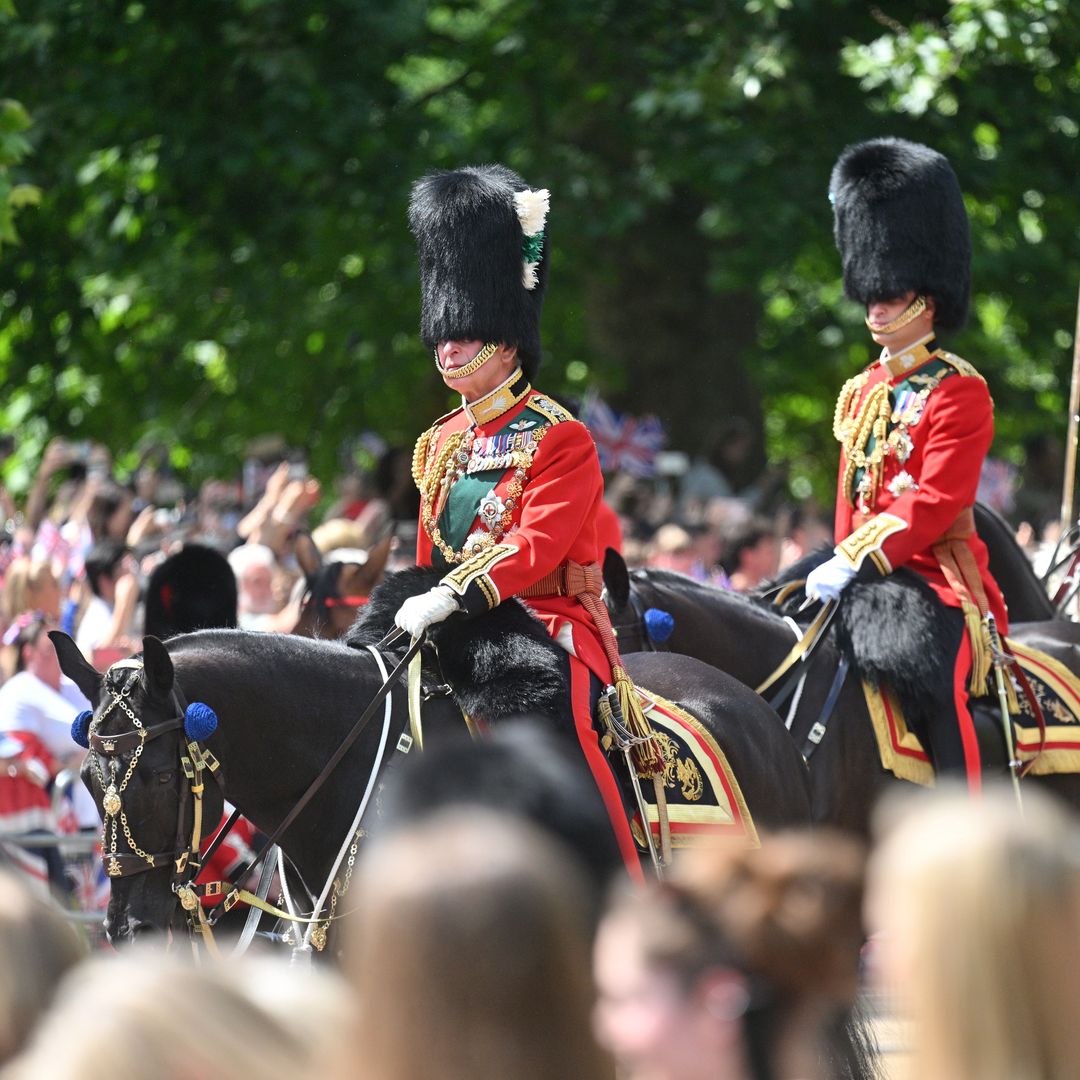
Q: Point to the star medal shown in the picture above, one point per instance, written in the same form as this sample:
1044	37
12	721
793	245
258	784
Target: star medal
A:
491	510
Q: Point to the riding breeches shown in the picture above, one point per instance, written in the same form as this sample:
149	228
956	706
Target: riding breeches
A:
585	691
950	738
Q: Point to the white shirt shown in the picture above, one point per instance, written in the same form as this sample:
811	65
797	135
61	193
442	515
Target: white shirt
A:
94	625
28	704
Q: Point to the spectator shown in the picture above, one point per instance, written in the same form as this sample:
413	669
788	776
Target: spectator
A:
29	585
254	566
752	555
673	549
37	705
109	516
109	615
671	990
194	589
147	1014
37	948
38	699
470	956
745	966
977	907
806	530
522	770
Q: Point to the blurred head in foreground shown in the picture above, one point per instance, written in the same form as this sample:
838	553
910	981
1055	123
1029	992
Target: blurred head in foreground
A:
470	952
37	948
145	1013
744	965
977	909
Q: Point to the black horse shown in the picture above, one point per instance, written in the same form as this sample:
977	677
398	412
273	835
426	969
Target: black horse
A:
748	638
284	705
1024	593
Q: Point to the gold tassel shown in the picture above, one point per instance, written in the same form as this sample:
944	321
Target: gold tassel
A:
982	652
646	754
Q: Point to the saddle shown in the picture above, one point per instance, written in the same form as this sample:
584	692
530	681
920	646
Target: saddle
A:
891	633
505	664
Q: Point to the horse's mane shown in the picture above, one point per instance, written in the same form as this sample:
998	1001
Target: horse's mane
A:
692	590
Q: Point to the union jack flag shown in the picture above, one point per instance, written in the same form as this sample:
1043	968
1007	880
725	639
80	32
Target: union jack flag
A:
627	443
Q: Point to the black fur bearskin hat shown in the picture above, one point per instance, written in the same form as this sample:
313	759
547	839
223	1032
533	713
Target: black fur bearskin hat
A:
482	241
901	226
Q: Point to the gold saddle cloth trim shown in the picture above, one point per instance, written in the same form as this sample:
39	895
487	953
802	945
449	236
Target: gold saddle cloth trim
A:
1058	692
704	799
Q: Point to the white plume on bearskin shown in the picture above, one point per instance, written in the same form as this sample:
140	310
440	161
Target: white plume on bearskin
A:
532	209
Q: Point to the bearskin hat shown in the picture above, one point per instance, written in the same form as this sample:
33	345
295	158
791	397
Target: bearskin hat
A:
481	236
901	226
195	589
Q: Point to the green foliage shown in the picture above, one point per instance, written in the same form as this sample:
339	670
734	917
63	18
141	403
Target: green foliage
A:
14	146
219	246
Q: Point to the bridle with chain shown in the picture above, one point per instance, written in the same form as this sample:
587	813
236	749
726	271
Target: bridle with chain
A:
113	754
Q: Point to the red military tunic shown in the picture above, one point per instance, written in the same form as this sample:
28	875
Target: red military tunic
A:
510	490
914	431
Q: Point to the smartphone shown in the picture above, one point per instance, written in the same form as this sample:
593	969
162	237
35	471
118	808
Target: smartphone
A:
298	470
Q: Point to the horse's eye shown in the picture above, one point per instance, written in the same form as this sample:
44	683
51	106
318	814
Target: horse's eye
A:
165	777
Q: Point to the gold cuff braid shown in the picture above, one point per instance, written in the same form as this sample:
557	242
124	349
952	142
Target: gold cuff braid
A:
474	571
865	542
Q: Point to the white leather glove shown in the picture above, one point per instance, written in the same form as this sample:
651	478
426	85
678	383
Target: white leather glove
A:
827	581
420	612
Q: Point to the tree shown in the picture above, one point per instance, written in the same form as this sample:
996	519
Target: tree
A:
221	247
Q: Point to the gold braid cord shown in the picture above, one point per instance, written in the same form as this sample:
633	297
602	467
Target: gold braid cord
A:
853	425
435	471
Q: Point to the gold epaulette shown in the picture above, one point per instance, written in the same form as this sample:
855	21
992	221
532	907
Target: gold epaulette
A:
959	364
549	408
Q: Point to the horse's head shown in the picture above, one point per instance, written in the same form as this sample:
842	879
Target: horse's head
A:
144	767
638	627
336	588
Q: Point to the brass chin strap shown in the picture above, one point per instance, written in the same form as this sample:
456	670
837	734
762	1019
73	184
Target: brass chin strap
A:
909	314
474	365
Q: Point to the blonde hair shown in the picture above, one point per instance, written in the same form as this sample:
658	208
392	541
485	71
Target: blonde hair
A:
471	956
37	947
145	1013
22	583
981	907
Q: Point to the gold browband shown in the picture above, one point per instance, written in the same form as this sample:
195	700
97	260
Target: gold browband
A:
474	365
909	314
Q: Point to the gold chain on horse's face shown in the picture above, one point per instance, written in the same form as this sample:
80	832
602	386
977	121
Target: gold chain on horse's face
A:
112	802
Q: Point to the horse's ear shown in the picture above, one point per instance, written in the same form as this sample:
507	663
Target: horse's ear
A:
157	667
376	561
307	554
616	578
76	667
